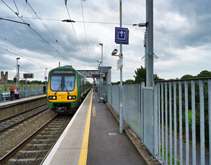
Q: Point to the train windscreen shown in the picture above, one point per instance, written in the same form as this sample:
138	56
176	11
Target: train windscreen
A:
56	82
69	82
62	81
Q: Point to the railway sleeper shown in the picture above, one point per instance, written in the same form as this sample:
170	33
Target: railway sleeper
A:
30	155
40	141
49	129
32	151
36	145
25	160
45	136
40	147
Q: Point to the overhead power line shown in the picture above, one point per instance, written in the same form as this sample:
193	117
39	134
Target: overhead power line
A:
17	45
84	28
14	21
59	20
48	30
33	29
23	56
74	33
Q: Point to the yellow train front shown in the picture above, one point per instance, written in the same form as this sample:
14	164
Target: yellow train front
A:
66	89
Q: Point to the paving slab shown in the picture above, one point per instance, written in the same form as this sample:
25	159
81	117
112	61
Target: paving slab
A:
106	145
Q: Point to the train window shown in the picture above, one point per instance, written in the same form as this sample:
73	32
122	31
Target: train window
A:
69	82
56	83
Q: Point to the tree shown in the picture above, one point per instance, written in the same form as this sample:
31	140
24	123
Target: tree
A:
129	81
187	76
204	73
140	75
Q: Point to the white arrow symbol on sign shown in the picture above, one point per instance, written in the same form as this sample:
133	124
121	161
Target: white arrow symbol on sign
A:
121	33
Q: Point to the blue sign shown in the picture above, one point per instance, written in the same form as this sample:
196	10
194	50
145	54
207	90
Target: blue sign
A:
121	35
45	78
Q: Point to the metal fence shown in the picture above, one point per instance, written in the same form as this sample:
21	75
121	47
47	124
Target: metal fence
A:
23	91
175	126
131	103
184	121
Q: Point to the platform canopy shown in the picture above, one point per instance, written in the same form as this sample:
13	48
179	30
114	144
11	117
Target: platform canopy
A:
88	73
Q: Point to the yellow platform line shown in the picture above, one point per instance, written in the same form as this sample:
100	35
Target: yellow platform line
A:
84	147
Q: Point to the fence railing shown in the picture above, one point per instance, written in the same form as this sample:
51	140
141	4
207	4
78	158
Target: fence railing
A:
178	119
23	91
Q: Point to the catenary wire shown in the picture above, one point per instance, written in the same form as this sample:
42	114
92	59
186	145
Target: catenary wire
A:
34	30
53	19
48	29
75	34
15	44
23	56
84	28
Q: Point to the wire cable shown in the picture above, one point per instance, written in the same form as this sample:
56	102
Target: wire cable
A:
75	34
54	19
23	56
49	31
84	28
16	45
34	30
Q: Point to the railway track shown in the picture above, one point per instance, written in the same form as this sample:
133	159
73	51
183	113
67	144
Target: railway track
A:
34	148
12	121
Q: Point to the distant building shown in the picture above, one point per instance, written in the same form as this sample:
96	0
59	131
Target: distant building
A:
4	77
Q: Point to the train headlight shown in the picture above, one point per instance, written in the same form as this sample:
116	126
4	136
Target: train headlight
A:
73	97
52	97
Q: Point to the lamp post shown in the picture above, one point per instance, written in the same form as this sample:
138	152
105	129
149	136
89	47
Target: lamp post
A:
148	43
45	75
101	75
120	93
17	75
114	53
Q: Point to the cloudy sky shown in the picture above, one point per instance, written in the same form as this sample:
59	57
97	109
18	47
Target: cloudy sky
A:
182	36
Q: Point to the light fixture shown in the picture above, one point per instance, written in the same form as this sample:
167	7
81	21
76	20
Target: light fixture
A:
141	24
68	20
114	53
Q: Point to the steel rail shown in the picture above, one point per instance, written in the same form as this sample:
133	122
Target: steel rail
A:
2	120
32	115
7	156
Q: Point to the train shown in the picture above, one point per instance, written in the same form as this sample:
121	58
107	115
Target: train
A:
66	89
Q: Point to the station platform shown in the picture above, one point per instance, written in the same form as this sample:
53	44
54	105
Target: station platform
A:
22	99
106	145
9	108
92	137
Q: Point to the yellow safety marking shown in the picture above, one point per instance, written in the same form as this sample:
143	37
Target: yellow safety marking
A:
84	147
93	111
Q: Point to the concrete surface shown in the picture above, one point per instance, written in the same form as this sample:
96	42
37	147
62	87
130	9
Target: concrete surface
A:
105	149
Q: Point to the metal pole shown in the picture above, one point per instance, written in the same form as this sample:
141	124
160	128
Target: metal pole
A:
26	87
45	75
18	73
149	43
102	60
101	75
120	93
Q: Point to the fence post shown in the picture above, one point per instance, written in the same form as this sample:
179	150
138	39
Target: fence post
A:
155	121
142	112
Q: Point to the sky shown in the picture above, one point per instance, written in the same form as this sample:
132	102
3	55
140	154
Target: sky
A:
182	36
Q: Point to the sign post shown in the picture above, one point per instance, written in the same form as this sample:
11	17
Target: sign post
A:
120	63
121	35
27	75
